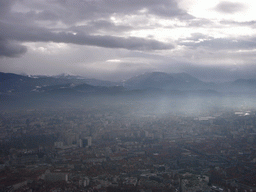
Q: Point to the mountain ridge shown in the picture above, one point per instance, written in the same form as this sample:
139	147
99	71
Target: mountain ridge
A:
14	83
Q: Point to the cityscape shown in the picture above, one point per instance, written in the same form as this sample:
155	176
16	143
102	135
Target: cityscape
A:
99	149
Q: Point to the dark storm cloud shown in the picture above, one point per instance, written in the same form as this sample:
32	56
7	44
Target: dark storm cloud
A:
5	6
34	34
8	48
72	11
229	7
101	25
11	49
131	43
23	26
101	8
42	15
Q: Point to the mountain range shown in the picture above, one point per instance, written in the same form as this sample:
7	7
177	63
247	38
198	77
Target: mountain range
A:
155	81
149	93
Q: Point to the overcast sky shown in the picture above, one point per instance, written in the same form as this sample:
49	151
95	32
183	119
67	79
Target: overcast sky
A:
115	39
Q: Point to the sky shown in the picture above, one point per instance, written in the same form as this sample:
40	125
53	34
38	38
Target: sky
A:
117	39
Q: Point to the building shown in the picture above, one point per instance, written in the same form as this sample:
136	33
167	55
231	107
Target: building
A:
86	142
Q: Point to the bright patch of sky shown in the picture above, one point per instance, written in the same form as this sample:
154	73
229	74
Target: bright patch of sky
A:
207	9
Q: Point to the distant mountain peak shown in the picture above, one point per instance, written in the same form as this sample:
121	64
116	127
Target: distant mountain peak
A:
161	80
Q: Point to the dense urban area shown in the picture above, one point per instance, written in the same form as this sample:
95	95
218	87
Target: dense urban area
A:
108	150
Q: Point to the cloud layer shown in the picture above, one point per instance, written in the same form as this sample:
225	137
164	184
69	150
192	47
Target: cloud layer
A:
81	36
35	21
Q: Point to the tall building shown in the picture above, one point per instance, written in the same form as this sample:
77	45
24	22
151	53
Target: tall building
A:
86	142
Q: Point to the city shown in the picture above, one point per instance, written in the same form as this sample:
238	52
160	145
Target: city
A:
98	150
